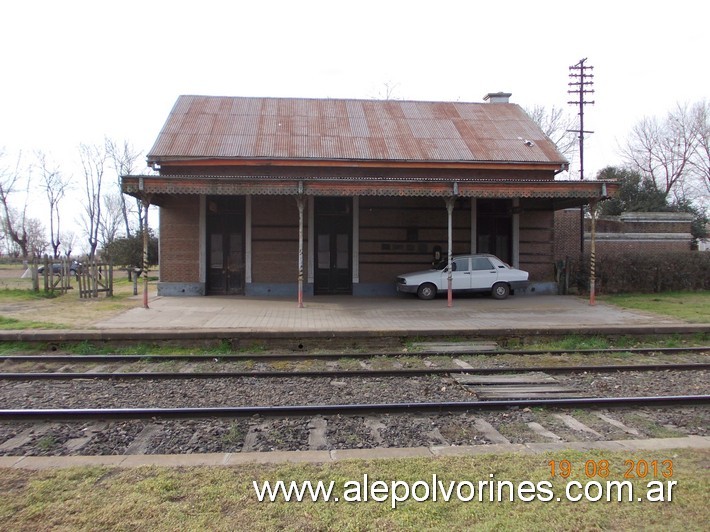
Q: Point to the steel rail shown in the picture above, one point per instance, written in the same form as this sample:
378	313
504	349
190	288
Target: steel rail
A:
312	410
406	372
302	355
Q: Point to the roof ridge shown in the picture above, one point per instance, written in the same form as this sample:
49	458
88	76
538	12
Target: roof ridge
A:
344	99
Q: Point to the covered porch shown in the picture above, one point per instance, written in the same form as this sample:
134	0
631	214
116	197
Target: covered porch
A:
235	235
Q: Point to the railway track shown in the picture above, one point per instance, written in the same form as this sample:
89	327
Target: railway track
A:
342	427
266	409
233	357
348	409
334	373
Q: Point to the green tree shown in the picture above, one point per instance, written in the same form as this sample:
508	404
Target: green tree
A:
639	194
700	218
636	193
128	251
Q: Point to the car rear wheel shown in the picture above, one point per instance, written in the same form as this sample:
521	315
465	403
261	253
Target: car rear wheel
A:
500	290
426	291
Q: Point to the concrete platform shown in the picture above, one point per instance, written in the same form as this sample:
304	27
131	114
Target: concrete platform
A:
238	317
377	314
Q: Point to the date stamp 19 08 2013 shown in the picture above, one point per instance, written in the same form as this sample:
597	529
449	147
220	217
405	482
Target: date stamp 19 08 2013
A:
631	469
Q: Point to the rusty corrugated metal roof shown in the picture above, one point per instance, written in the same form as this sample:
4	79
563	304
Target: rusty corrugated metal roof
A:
353	130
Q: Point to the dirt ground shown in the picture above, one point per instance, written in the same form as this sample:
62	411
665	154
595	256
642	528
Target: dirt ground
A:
67	310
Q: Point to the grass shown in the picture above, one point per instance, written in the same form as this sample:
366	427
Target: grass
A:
693	307
616	342
151	498
19	294
15	324
60	311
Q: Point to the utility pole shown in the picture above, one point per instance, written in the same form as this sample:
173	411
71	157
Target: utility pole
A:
581	84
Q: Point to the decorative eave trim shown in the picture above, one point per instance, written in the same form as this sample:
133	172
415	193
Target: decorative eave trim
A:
385	186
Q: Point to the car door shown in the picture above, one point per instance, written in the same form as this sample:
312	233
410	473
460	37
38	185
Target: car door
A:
461	276
483	273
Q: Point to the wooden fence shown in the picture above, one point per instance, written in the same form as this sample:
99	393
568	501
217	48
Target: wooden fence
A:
93	278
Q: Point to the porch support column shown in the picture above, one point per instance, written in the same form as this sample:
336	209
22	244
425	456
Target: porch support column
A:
474	225
146	240
300	201
592	254
450	211
515	259
247	239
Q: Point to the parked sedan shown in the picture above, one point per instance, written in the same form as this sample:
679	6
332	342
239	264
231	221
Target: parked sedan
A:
74	268
470	273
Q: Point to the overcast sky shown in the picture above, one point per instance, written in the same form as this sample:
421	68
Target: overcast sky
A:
76	71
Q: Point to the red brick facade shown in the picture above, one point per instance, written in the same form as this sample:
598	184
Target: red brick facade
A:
274	239
536	243
180	239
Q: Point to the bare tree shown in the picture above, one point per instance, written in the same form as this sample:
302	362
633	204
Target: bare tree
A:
662	151
700	160
55	187
93	162
124	160
558	124
68	238
36	237
111	217
15	221
15	227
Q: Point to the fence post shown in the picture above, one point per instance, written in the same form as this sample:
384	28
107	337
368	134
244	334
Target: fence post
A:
35	274
45	273
110	278
65	276
95	280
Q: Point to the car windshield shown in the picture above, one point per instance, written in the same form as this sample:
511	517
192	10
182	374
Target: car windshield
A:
443	263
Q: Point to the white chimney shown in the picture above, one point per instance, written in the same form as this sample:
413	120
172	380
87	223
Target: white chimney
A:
498	97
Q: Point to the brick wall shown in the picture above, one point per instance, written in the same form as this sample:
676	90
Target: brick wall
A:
398	234
537	243
275	239
648	232
567	234
180	239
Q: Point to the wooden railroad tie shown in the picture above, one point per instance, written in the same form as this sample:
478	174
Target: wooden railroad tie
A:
515	386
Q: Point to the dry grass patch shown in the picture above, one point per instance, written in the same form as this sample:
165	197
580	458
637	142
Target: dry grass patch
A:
62	311
153	498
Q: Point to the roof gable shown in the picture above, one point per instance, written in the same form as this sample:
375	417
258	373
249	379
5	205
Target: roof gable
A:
351	130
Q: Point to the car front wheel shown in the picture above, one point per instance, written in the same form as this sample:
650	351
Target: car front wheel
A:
500	290
426	291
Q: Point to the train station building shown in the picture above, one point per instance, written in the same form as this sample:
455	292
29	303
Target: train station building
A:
276	196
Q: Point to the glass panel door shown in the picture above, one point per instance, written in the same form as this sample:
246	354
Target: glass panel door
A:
333	225
495	228
225	245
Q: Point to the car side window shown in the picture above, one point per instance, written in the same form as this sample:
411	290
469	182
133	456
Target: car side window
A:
482	263
460	265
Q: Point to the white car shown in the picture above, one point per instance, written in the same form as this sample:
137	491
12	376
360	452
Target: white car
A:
470	273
